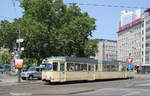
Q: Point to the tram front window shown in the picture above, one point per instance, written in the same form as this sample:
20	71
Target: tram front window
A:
48	67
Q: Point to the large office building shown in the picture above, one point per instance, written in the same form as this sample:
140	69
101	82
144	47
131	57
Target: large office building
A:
131	40
107	50
134	40
147	37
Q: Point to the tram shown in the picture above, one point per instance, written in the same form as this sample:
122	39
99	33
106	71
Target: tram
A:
63	69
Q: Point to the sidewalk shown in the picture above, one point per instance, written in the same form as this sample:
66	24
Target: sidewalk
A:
7	80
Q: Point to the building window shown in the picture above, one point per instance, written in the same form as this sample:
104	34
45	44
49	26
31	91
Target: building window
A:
148	37
142	46
142	25
147	44
148	29
147	22
143	39
142	32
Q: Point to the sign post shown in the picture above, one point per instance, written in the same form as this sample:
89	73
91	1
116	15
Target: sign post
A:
19	62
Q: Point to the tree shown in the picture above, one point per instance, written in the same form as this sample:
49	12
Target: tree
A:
8	34
51	28
5	58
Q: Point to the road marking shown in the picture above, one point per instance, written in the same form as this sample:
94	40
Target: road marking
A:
132	93
20	94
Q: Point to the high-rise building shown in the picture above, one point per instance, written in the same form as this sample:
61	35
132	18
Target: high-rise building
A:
147	38
129	16
134	40
131	37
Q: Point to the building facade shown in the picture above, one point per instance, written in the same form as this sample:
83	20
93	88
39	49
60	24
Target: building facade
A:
134	41
107	50
130	42
147	38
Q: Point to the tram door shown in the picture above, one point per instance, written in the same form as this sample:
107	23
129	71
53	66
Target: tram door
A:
62	72
91	71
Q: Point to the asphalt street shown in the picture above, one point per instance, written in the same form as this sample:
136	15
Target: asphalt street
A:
139	86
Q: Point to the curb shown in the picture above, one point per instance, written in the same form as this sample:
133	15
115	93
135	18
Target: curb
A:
26	83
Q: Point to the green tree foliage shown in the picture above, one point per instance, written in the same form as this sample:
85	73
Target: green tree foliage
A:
8	34
51	28
5	57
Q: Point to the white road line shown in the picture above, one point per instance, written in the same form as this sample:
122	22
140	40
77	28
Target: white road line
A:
131	93
20	94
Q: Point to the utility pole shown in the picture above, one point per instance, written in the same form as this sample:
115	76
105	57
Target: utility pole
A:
18	61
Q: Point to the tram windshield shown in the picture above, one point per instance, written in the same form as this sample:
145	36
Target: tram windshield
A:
48	67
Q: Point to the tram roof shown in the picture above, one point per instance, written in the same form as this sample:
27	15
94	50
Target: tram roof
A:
72	59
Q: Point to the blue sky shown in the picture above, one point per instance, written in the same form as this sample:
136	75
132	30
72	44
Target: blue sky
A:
107	18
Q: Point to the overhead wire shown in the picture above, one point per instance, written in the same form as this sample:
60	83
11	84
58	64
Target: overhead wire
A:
109	5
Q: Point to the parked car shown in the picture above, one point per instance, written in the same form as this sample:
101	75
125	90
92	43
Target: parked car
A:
1	69
5	68
32	72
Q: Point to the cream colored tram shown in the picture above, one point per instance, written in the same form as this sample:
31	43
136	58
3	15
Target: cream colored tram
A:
62	69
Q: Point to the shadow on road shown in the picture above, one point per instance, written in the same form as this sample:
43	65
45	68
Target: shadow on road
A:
85	81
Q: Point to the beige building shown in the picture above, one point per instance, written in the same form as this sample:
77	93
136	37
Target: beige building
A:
107	50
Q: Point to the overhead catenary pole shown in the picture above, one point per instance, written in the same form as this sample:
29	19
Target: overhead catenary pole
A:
19	43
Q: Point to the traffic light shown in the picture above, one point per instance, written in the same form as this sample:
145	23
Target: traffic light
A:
12	57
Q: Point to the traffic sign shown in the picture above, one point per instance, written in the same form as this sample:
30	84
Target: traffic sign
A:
12	57
106	41
19	40
129	66
129	60
19	63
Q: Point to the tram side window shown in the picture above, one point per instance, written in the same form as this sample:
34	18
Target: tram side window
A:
89	68
70	67
105	67
78	67
84	67
123	68
114	67
110	67
55	66
96	67
62	67
92	67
